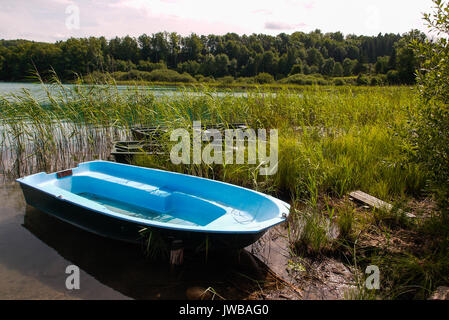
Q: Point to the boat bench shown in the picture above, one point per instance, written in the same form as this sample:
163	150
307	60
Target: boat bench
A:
178	204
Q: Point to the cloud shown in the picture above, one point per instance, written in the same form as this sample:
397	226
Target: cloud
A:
262	11
283	26
44	20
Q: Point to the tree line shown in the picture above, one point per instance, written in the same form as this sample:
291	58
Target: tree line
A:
200	57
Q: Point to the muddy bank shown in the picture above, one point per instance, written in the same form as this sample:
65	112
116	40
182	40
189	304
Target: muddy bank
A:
321	278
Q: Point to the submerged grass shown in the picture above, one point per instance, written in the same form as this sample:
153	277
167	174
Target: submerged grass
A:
331	141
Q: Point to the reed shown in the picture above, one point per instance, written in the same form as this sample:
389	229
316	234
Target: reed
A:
331	140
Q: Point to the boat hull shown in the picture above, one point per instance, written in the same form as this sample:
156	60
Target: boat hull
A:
126	151
129	203
127	231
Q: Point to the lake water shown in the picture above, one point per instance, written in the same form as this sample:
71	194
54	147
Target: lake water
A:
37	90
35	250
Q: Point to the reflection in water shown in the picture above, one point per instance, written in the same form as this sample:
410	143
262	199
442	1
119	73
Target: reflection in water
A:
107	264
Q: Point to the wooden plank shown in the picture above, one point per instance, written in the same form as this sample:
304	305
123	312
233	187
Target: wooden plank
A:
373	202
370	200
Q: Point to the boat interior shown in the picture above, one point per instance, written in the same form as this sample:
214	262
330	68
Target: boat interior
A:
159	196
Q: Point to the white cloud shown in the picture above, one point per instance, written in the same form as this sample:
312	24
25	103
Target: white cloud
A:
45	19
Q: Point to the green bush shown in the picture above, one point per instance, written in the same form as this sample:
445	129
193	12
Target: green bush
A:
339	82
297	68
150	66
249	80
363	80
226	80
377	80
158	75
264	78
169	76
430	131
302	79
393	77
201	78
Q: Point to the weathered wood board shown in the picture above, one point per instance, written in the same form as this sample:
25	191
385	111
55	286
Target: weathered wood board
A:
373	202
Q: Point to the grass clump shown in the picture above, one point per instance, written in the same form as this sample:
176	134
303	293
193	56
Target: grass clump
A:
313	234
345	222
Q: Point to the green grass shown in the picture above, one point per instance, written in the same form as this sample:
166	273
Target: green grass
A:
332	140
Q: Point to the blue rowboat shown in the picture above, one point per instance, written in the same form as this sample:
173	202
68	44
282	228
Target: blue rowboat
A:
118	201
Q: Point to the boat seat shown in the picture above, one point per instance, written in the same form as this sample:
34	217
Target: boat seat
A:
126	182
141	194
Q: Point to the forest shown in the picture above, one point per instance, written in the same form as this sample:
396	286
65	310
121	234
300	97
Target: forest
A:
298	58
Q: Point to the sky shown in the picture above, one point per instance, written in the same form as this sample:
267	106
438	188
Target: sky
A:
53	20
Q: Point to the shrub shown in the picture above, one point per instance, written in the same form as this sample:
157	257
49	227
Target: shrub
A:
362	80
297	68
245	80
226	79
149	66
315	236
160	75
166	75
339	82
393	77
376	81
302	79
430	132
201	78
264	78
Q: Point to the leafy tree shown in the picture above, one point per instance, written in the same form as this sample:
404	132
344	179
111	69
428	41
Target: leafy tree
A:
306	69
190	67
160	47
233	67
144	42
269	62
392	60
430	133
2	60
174	44
297	68
247	55
338	70
221	65
314	57
339	54
149	66
328	67
337	36
406	61
381	65
393	77
348	66
324	52
359	68
353	52
192	47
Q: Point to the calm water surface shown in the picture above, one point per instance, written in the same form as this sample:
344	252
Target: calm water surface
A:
35	250
37	89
